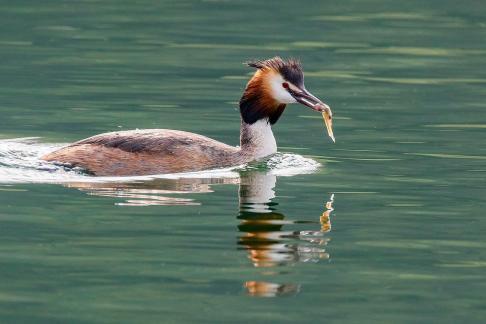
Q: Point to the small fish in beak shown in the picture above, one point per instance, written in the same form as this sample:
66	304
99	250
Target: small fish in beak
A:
301	95
327	116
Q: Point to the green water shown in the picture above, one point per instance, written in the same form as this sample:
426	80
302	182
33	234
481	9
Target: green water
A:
406	82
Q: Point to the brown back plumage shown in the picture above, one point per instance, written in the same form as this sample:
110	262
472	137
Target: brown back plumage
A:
148	140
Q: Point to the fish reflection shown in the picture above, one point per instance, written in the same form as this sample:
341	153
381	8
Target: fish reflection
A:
266	239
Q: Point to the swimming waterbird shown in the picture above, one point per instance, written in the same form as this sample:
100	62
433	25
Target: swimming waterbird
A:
275	84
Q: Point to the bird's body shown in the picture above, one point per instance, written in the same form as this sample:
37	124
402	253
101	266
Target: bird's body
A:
159	151
153	151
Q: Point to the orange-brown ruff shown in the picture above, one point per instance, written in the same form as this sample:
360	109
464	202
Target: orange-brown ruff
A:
159	151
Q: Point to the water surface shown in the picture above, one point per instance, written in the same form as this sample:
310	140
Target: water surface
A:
388	227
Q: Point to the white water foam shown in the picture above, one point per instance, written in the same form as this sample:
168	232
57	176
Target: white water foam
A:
20	163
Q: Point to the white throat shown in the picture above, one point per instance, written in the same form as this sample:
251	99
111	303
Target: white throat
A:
257	139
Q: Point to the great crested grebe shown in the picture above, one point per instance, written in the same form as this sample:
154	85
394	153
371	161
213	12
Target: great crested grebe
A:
275	83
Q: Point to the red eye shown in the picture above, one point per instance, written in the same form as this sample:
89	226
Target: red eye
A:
285	85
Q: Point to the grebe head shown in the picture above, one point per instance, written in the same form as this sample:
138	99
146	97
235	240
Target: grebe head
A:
275	84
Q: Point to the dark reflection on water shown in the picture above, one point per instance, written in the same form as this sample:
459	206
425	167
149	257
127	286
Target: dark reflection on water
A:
264	232
268	237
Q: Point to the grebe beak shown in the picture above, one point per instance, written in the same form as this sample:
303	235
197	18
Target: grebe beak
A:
308	99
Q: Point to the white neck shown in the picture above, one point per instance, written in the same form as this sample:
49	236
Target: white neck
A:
257	139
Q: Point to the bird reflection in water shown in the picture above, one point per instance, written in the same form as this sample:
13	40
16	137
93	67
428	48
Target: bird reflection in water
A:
161	192
265	233
267	241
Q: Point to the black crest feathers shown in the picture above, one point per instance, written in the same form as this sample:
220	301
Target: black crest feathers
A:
290	69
